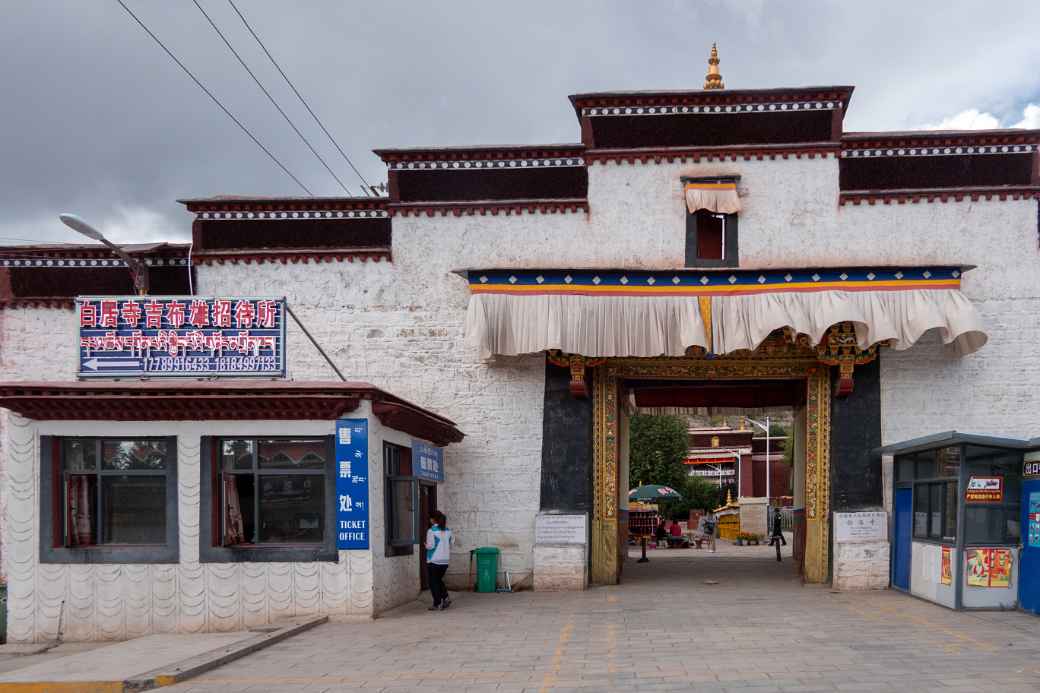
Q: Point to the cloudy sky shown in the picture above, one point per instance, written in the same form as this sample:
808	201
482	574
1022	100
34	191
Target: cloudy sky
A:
96	119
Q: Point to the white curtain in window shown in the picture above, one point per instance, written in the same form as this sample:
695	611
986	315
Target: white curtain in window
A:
720	198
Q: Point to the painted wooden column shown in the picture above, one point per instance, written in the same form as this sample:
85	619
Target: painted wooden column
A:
817	475
604	548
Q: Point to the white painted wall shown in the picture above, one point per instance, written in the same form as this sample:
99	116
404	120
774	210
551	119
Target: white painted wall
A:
119	601
926	570
399	325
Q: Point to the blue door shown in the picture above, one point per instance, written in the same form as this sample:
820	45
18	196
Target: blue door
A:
901	550
1029	571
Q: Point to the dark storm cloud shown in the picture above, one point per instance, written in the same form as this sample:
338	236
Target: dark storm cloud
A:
95	119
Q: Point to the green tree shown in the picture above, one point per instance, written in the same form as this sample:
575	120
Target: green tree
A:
657	449
698	494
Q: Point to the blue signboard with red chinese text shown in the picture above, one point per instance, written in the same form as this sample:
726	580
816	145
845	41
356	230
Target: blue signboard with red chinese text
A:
352	528
185	336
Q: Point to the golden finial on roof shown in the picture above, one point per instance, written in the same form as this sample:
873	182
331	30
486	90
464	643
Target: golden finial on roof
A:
713	80
729	497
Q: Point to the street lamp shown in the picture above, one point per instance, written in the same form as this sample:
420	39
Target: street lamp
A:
138	270
764	427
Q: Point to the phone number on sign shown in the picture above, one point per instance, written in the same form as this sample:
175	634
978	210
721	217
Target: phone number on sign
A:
211	364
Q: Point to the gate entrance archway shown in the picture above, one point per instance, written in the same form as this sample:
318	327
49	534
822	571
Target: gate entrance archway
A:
776	359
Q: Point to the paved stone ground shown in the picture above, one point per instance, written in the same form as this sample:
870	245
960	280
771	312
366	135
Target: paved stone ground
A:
664	628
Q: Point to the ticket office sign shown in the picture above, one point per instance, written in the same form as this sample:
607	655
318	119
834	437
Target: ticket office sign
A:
181	336
352	529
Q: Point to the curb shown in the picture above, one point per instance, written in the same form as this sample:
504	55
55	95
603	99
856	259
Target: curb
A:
193	666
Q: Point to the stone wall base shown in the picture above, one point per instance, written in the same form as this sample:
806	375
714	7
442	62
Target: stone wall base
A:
560	568
861	566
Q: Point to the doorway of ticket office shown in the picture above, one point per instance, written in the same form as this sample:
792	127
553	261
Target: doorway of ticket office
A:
427	504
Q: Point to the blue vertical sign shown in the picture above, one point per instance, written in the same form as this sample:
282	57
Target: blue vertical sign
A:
427	461
352	484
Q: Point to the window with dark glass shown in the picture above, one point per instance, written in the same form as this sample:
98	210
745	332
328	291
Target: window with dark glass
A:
935	511
114	492
996	522
935	477
401	500
272	490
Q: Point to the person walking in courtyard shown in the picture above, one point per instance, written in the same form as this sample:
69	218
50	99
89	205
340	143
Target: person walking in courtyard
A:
438	556
708	528
776	537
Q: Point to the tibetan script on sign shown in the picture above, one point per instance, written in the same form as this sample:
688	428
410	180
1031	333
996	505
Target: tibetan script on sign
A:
552	528
181	336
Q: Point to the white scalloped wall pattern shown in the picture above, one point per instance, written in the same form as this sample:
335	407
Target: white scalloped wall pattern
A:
117	602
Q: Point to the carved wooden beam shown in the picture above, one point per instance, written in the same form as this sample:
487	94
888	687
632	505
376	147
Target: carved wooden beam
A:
839	348
577	365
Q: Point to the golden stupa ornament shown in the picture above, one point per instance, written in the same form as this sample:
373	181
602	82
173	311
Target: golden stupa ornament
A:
713	80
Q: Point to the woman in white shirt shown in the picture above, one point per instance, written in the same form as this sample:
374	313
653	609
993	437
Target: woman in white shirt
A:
438	556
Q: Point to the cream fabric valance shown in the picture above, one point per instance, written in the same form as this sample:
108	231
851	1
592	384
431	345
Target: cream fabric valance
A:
618	313
719	197
742	322
508	325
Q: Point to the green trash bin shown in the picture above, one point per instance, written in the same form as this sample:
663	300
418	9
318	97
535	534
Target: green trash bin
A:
487	568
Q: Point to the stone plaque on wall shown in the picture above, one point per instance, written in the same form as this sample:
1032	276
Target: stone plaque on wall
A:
852	528
554	528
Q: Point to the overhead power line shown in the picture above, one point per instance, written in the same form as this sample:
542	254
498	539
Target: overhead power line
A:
35	241
268	94
367	188
201	86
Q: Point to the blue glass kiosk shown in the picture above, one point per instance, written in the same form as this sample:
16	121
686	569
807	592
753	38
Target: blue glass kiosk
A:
965	529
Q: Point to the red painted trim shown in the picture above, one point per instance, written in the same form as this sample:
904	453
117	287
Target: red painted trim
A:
404	418
858	197
536	151
588	137
489	207
936	138
217	401
164	251
294	256
837	124
658	155
286	204
712	97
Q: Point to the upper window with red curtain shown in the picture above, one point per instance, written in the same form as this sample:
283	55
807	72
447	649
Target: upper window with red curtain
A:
267	499
272	490
108	500
114	491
